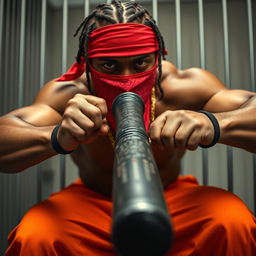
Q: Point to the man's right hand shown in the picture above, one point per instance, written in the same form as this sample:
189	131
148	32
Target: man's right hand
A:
83	121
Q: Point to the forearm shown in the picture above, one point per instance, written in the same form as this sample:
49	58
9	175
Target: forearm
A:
23	145
238	127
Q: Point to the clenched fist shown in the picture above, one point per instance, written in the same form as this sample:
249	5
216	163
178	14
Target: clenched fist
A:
83	120
182	129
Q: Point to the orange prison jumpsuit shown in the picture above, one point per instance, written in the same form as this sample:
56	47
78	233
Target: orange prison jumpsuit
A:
76	222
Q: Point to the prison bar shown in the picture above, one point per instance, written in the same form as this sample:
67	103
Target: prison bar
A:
203	66
253	81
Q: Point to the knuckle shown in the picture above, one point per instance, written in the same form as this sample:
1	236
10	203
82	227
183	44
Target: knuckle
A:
68	113
154	126
97	113
78	96
179	139
165	136
182	112
192	147
197	124
72	101
101	101
153	137
64	125
90	125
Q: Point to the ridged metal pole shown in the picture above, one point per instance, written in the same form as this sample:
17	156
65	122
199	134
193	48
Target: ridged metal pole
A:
253	81
203	66
228	84
64	69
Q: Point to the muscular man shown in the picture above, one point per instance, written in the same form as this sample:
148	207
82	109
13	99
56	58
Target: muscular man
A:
121	49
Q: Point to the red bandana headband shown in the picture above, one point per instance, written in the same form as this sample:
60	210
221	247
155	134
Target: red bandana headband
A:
123	39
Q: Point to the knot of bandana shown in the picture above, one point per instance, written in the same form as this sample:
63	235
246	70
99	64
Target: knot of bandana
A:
120	40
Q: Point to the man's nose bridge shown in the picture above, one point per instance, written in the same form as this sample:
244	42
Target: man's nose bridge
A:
126	68
127	71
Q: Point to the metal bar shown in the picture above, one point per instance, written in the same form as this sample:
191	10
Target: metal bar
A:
2	178
201	33
86	7
7	189
64	68
178	47
227	82
1	35
205	168
43	42
41	83
253	81
155	10
5	55
21	89
22	54
178	34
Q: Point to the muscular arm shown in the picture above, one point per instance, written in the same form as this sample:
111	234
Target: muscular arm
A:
190	90
235	111
25	132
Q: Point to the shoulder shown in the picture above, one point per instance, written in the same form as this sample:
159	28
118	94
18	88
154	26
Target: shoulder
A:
190	88
56	94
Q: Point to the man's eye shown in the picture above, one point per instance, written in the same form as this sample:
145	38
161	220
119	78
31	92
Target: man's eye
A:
108	65
141	62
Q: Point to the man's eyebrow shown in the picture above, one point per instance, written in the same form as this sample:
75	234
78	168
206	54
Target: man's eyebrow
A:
106	59
142	56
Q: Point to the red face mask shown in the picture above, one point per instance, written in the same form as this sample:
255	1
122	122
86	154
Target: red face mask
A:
120	40
108	87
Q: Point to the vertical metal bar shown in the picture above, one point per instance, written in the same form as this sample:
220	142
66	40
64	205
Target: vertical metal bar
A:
155	10
178	47
21	89
252	80
202	64
5	55
43	42
7	188
64	68
86	7
22	54
227	82
2	184
178	33
201	33
41	83
1	36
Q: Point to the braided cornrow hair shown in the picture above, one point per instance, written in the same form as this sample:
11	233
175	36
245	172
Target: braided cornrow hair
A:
116	12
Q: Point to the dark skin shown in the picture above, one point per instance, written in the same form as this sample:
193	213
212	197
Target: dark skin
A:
26	132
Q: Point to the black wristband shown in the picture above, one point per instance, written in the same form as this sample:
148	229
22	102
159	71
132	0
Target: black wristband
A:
55	144
215	126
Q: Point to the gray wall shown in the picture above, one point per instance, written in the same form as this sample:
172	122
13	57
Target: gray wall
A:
20	191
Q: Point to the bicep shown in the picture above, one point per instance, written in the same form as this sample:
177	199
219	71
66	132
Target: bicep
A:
36	115
49	104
